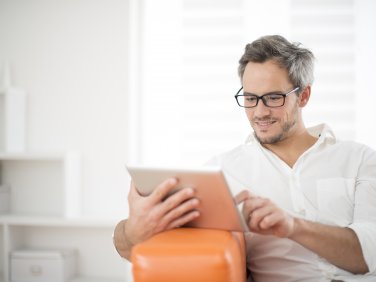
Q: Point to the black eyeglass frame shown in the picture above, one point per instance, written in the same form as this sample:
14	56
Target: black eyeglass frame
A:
262	97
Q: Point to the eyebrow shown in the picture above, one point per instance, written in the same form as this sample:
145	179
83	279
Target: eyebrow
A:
268	93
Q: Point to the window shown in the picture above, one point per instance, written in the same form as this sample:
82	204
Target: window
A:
327	28
189	78
188	57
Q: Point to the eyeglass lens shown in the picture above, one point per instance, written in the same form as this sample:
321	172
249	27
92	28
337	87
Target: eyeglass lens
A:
270	100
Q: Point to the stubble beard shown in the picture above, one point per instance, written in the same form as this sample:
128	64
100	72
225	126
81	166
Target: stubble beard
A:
285	129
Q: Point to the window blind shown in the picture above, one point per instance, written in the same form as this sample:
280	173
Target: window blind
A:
327	28
190	78
189	57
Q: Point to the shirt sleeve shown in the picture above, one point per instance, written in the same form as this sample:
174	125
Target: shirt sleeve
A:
364	221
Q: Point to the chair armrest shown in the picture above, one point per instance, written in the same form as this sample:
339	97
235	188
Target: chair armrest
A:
190	254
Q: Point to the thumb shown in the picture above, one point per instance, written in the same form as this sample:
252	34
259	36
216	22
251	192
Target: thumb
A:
244	195
241	196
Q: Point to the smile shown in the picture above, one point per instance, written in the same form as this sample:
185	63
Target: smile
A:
263	124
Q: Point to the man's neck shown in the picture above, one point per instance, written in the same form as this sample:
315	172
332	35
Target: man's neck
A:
290	149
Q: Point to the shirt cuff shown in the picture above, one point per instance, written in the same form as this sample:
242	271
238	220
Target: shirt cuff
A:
366	232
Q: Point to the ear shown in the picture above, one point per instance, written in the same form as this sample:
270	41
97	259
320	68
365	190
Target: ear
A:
304	96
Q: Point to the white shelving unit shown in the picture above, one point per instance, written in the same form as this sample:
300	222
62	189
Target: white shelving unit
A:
45	213
44	184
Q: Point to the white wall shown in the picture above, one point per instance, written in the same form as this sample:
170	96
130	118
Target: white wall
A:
71	58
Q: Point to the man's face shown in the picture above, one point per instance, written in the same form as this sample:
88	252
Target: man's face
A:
271	125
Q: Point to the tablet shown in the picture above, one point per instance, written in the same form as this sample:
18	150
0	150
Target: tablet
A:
217	207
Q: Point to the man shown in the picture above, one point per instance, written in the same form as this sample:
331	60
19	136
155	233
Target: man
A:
308	199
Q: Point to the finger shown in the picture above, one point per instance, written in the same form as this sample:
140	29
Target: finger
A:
252	204
188	217
241	197
252	194
180	211
176	199
270	220
280	221
163	189
258	215
244	195
175	206
250	211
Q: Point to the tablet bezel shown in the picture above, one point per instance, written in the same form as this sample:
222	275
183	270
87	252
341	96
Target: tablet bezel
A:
217	208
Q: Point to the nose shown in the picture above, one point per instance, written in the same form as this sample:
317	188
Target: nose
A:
261	110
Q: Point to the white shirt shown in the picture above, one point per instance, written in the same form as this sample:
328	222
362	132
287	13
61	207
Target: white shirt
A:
332	182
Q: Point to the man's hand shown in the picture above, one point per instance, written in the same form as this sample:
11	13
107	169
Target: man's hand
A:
263	216
338	245
159	212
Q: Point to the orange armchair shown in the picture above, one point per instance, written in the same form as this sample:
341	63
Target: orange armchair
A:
189	254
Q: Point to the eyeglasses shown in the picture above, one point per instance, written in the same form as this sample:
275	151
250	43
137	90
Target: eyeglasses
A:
272	100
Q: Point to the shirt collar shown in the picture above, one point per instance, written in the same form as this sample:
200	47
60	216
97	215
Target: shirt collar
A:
321	131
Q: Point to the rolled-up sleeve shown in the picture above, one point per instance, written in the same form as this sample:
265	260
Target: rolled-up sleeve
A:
364	221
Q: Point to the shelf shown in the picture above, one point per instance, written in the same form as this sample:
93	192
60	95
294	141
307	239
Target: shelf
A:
50	221
51	176
31	156
45	213
91	238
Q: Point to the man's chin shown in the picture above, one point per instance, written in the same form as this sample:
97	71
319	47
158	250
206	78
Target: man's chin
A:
268	140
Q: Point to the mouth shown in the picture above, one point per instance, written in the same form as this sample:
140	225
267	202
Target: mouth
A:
264	124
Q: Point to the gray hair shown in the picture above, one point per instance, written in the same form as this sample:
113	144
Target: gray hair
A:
298	61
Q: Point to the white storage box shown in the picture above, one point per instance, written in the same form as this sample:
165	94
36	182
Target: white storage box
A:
42	265
4	198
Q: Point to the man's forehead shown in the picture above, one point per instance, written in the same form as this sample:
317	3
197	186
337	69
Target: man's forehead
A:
260	78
